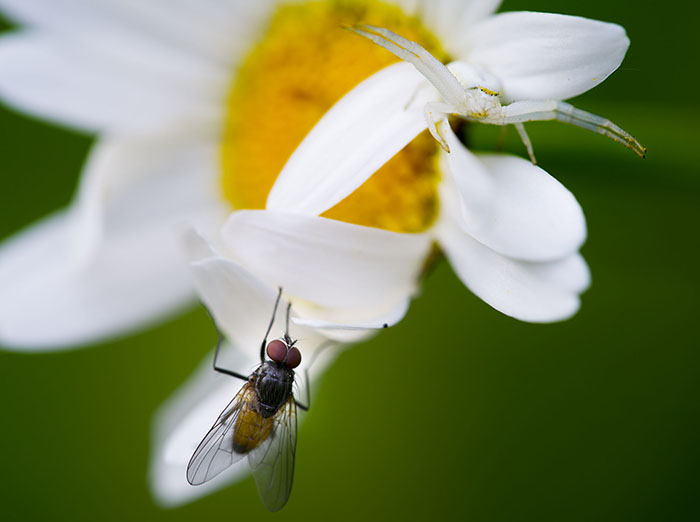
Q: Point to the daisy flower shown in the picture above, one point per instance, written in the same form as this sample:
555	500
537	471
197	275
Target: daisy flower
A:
198	105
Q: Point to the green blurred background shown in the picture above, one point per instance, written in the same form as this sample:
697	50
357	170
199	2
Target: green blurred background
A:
458	411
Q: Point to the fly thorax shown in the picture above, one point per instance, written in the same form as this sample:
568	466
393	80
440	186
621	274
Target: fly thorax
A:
273	386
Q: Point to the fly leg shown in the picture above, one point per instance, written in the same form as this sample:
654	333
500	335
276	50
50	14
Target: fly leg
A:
225	371
287	338
217	368
269	326
305	407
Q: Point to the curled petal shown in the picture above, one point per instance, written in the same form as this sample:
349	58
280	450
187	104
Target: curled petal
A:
513	206
327	262
533	292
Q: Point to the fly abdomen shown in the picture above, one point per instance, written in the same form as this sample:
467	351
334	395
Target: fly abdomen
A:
250	431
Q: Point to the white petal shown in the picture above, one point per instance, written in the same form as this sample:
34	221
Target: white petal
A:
534	292
330	263
470	76
355	138
197	246
570	273
114	261
120	86
242	305
50	300
513	206
539	56
129	182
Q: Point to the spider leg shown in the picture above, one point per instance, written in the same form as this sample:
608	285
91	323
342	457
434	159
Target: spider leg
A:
522	111
526	141
434	71
436	116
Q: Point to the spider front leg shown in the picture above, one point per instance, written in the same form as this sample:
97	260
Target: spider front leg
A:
522	111
434	71
436	116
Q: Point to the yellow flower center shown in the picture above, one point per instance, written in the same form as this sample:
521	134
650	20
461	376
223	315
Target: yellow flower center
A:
303	65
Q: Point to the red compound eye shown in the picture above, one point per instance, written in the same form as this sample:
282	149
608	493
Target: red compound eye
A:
293	358
277	350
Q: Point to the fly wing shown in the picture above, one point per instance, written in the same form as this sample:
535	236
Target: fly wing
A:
215	453
273	462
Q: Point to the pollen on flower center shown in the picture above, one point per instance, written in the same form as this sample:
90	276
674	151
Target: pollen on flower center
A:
302	66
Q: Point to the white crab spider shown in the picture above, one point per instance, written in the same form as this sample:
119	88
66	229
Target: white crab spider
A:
474	100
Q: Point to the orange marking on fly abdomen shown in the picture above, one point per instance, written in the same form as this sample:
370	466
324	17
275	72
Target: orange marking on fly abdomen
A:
250	431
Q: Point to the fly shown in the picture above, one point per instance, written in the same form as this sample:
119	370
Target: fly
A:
260	422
